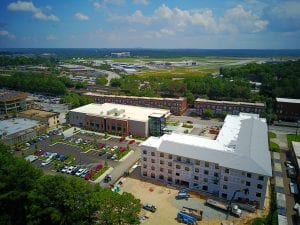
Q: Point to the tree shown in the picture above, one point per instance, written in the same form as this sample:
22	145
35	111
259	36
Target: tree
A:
101	81
207	113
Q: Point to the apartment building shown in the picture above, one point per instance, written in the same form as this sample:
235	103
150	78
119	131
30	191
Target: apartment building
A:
118	119
51	119
177	106
238	159
233	108
287	109
12	101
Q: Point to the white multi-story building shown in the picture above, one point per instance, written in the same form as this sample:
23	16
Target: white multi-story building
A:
238	159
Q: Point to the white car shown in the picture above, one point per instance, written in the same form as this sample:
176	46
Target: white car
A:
46	162
113	157
79	172
114	148
64	170
70	169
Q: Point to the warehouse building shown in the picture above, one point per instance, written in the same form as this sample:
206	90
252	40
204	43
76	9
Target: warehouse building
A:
288	109
233	108
238	159
177	106
119	119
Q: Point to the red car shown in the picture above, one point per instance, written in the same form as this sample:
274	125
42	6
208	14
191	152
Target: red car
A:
98	167
122	149
39	153
101	145
89	175
131	142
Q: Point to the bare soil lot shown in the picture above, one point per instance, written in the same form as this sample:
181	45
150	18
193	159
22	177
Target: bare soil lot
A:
163	198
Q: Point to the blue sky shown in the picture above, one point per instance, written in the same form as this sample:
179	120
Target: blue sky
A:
206	24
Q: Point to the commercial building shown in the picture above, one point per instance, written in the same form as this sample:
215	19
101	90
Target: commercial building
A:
18	130
12	101
120	54
233	108
116	119
51	119
177	106
288	109
238	159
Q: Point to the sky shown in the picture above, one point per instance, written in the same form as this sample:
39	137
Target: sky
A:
201	24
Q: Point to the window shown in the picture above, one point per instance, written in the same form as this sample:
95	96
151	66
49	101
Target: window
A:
261	178
162	162
152	175
197	162
225	187
177	174
178	158
205	188
242	181
206	164
259	186
170	171
226	170
161	177
258	194
248	183
170	179
170	157
216	166
196	178
187	169
144	159
169	163
188	161
161	169
243	173
152	167
216	174
145	152
249	175
224	195
205	180
206	172
197	170
145	166
178	166
145	173
225	178
153	160
161	155
152	153
195	184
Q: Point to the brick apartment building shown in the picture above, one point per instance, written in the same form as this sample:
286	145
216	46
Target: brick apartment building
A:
177	106
233	108
287	109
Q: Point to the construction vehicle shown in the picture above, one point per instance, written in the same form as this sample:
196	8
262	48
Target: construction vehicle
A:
182	195
185	218
234	209
196	213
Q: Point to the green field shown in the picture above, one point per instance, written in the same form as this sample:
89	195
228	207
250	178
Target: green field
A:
293	137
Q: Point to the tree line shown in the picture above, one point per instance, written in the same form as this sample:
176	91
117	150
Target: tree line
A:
27	196
27	60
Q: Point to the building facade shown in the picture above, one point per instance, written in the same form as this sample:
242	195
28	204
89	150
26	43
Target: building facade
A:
238	159
51	119
288	109
233	108
123	120
177	106
12	101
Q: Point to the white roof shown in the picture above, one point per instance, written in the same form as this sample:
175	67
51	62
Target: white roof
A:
125	112
12	126
288	100
242	144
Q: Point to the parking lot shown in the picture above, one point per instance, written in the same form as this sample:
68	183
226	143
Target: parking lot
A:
163	198
84	153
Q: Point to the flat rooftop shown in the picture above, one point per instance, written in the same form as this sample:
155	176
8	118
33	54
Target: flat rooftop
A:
38	113
242	144
132	97
8	96
13	126
230	102
288	100
118	111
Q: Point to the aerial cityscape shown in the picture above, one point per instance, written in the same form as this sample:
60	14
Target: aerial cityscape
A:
120	112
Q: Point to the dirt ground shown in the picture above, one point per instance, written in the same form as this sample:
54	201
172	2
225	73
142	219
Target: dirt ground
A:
167	207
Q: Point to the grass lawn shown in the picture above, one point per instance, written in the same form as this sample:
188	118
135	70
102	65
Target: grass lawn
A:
293	137
69	160
187	126
272	135
99	173
122	154
274	147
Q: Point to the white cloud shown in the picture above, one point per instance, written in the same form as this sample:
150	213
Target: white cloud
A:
140	2
165	31
97	5
114	2
81	16
23	6
164	12
4	33
51	38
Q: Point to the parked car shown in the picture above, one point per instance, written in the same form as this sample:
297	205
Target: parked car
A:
122	139
38	153
189	121
131	142
294	188
27	144
122	149
79	172
114	148
149	207
70	169
59	169
84	173
101	153
101	145
291	172
74	171
65	169
46	162
98	167
113	157
107	178
109	155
